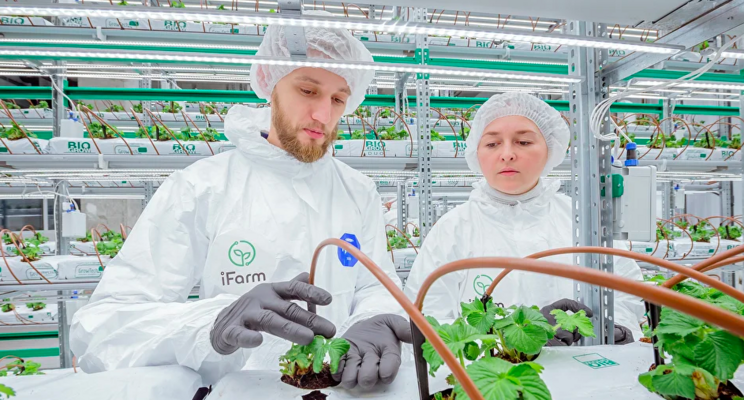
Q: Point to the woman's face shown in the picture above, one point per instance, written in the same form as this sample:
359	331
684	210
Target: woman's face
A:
512	154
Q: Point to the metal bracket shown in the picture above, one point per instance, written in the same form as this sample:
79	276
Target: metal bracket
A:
295	35
99	34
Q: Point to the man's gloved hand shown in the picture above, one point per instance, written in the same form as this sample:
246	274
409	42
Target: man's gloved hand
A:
375	351
563	337
267	308
623	335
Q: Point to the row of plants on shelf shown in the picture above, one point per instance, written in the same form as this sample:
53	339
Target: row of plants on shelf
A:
33	306
14	132
396	240
185	134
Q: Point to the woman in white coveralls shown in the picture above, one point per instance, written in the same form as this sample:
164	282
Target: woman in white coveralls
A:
515	141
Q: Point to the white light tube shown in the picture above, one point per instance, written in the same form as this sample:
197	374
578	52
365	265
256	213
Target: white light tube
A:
131	12
313	63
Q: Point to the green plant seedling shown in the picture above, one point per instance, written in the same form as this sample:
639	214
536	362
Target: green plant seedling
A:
42	105
7	307
301	361
36	306
115	108
138	108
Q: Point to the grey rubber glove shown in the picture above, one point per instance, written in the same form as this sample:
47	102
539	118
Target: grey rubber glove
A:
564	337
267	308
374	355
623	335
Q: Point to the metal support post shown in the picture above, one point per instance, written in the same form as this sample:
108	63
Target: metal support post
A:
667	200
401	189
149	192
591	175
401	94
146	83
371	12
423	115
59	104
445	205
63	243
727	199
65	353
668	125
45	214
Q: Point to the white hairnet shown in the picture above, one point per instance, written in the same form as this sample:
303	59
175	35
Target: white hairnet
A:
548	120
322	43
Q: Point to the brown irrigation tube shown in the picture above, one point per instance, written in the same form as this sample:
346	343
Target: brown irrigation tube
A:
703	265
655	294
416	316
686	271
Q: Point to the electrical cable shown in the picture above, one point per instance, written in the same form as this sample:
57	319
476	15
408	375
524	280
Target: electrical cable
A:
603	108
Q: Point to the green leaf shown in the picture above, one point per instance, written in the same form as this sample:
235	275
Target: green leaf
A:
455	336
7	391
478	316
572	322
472	351
528	339
720	353
533	387
491	377
433	321
336	349
529	315
677	323
318	349
674	384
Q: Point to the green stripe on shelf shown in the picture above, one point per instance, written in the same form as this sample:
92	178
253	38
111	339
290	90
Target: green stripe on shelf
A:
29	335
31	353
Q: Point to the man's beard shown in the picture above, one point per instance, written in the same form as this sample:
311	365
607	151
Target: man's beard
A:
287	135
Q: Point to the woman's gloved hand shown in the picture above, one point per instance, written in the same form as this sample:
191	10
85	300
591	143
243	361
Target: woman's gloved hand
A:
374	355
268	308
623	335
564	337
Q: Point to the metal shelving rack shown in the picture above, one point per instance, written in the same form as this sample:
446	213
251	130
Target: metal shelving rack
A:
595	70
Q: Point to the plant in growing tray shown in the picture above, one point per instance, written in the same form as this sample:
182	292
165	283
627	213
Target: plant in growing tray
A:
305	367
501	343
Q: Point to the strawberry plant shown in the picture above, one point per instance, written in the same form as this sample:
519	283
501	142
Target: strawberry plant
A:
144	133
643	120
21	367
735	141
138	108
357	134
178	4
703	357
36	306
702	232
708	141
662	230
436	136
363	112
110	248
114	108
42	104
729	232
224	110
397	241
624	141
14	132
210	134
305	366
7	307
85	239
31	252
385	113
172	107
391	134
501	342
37	239
12	106
668	142
7	239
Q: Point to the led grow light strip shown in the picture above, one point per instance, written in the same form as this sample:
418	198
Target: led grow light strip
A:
479	81
247	60
402	27
733	54
127	43
699	85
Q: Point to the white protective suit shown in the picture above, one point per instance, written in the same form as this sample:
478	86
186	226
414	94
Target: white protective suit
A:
494	224
484	226
232	221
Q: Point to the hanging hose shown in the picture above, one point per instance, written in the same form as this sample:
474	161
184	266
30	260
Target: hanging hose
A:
416	317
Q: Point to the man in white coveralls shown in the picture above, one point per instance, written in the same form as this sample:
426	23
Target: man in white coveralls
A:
245	224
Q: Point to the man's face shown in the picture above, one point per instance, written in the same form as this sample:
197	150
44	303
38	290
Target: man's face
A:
306	107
